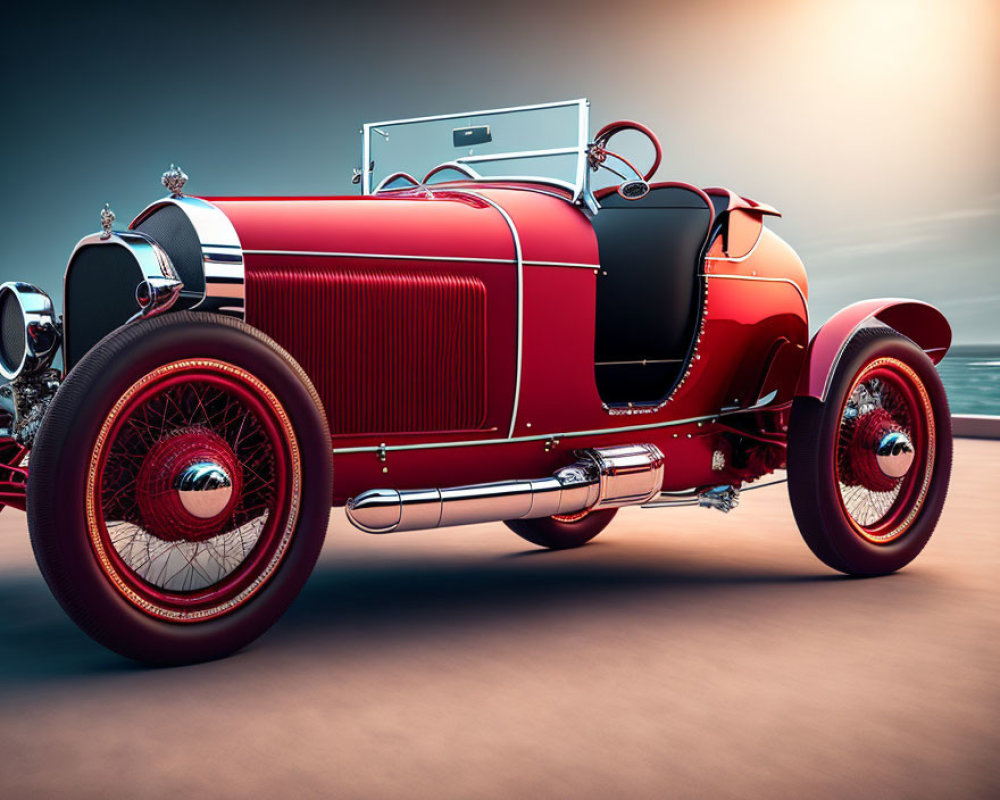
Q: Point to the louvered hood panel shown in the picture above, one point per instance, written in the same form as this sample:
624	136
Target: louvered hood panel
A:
388	352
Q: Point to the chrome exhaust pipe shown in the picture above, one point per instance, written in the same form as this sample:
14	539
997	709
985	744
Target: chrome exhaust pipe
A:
601	478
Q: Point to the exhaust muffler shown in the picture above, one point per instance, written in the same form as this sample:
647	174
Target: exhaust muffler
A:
606	477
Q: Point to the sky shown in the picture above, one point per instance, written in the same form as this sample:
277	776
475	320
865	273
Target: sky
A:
874	126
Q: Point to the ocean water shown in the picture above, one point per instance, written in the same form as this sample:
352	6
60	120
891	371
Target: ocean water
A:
972	382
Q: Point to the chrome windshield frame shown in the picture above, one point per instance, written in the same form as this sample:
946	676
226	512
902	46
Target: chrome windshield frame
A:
578	188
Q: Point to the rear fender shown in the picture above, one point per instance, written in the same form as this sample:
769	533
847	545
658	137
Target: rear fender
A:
918	321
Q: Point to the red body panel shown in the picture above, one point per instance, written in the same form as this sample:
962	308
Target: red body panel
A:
444	225
752	339
921	322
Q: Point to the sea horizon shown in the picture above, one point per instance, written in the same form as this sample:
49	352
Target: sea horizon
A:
971	376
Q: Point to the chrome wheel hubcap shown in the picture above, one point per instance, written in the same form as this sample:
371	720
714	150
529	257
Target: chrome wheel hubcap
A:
204	489
894	454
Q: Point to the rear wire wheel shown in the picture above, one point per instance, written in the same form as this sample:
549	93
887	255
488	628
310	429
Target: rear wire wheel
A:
563	532
168	500
868	470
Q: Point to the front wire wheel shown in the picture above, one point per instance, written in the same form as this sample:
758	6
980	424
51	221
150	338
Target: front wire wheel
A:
868	469
193	553
180	487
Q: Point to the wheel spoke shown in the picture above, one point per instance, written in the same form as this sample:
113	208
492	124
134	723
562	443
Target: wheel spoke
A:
182	565
881	401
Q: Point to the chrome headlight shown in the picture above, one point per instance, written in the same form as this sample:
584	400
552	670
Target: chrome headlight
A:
29	330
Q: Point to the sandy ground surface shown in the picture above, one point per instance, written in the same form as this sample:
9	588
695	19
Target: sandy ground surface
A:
684	653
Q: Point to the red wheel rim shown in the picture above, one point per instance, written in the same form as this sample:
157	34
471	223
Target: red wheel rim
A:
886	396
196	571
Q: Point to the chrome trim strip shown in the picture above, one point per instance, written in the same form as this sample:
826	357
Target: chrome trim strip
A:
396	176
802	296
221	250
519	276
561	264
871	321
642	361
509	110
516	154
149	255
366	173
583	142
401	257
541	437
158	273
750	252
466	170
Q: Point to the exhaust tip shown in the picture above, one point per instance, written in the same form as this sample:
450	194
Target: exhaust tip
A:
376	511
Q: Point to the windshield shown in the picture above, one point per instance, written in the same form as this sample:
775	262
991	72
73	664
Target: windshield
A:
544	142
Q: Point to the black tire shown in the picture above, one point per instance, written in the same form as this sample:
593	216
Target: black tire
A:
57	486
815	432
562	534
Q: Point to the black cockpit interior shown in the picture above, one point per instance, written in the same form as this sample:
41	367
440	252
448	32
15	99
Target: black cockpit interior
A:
649	291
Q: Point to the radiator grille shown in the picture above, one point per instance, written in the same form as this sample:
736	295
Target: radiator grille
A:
12	339
99	296
388	352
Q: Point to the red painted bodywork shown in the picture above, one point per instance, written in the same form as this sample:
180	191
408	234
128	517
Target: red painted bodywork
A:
753	336
449	331
919	321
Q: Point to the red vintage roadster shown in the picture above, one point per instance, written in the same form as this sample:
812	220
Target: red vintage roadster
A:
513	323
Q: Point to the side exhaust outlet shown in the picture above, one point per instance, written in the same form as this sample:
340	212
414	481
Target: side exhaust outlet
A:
606	477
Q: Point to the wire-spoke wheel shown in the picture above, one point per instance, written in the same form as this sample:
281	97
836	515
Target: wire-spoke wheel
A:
156	536
868	469
187	440
885	450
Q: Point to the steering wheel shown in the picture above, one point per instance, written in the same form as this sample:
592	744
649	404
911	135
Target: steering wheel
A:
598	154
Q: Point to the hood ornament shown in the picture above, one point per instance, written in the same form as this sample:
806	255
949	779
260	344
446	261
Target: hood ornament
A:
174	179
107	220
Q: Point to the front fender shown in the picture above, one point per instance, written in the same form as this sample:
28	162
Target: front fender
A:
918	321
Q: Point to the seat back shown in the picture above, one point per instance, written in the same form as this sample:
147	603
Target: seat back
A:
648	292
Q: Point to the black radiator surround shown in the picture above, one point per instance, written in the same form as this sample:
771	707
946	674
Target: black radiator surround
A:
99	297
101	281
170	228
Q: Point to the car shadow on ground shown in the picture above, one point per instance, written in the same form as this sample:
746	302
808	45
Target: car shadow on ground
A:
376	598
357	600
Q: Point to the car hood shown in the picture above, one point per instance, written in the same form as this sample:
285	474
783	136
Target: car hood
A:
448	224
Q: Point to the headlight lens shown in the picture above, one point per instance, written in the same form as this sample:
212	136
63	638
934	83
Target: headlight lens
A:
29	331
